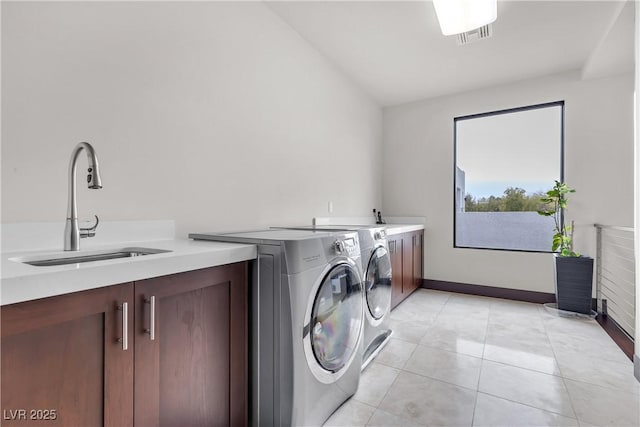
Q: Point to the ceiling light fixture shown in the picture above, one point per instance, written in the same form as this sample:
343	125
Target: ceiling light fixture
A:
460	16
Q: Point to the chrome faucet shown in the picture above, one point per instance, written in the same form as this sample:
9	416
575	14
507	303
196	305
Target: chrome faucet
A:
72	233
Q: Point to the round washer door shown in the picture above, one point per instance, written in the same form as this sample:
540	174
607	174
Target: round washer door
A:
336	318
378	283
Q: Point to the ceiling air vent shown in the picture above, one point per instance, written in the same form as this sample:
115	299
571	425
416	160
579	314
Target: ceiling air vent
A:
483	32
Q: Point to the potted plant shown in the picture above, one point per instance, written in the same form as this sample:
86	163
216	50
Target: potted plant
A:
573	272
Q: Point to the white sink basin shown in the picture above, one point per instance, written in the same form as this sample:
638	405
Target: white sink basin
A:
76	258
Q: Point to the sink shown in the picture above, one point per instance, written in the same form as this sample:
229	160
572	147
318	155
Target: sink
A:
65	259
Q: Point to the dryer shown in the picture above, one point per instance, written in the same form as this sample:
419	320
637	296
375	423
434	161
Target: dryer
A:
377	278
306	317
376	267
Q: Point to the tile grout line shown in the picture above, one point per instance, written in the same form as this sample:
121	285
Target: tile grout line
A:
429	327
482	359
564	382
613	362
400	371
385	394
449	351
486	334
587	384
370	416
477	390
426	376
493	311
560	376
521	367
388	389
527	405
475	403
439	380
593	384
546	336
418	343
521	403
404	364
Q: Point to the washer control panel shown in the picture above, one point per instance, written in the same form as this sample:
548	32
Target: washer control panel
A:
348	247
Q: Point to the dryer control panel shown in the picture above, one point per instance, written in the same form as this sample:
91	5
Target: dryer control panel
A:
380	235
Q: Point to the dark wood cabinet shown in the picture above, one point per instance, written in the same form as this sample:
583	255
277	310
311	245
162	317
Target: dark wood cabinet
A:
63	362
191	365
63	358
406	252
418	258
408	272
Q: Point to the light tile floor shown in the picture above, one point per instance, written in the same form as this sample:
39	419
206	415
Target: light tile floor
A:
460	360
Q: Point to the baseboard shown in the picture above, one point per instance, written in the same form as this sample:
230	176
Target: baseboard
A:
610	327
617	335
636	366
489	291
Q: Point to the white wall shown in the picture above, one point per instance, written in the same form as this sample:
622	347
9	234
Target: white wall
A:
217	115
418	166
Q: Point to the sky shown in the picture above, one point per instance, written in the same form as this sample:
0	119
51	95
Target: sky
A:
518	149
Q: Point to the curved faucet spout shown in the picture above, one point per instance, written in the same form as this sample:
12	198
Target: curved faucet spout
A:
72	232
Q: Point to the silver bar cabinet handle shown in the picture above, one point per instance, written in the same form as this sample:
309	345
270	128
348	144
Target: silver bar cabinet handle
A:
152	317
125	325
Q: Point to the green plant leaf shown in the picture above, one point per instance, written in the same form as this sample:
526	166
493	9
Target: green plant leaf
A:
554	204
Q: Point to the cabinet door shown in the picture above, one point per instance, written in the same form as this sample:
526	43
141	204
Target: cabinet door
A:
63	361
408	282
418	258
395	253
191	348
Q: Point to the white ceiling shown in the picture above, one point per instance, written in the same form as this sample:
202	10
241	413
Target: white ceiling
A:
394	49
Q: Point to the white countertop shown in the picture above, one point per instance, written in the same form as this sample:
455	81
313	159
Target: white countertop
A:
24	282
393	229
396	224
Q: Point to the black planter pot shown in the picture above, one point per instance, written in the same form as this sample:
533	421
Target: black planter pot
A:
574	276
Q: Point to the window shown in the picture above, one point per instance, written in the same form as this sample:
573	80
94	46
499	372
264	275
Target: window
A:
504	162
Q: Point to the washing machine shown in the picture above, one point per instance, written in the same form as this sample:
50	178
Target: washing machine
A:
376	267
306	323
